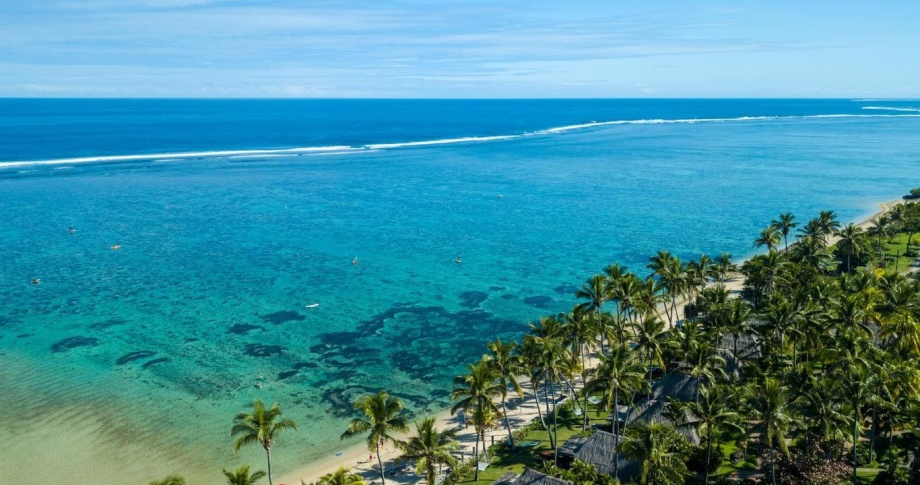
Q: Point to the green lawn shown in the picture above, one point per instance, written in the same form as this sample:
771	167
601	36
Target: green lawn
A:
507	460
894	252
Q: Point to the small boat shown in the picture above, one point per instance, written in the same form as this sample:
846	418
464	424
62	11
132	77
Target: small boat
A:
312	305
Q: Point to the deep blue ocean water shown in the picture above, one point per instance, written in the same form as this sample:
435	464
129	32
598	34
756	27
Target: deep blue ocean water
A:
153	347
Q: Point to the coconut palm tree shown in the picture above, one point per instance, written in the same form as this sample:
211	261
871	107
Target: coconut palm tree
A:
784	223
828	223
619	371
382	416
669	272
260	426
659	451
724	266
851	245
430	447
712	414
342	476
768	402
242	477
507	366
476	389
650	340
170	480
768	237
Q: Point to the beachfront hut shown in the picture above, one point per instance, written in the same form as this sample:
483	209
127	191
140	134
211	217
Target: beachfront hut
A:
653	410
571	445
598	450
532	477
506	479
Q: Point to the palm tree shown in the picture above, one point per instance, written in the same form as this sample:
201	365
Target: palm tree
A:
382	417
851	245
820	405
342	476
507	366
618	371
658	449
724	265
242	477
650	340
668	270
712	414
784	223
768	237
260	426
430	448
476	390
828	223
170	480
768	402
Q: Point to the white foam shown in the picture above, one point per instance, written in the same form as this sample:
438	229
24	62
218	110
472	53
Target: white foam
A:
344	150
444	141
175	156
891	108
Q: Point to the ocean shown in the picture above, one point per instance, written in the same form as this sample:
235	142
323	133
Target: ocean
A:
203	229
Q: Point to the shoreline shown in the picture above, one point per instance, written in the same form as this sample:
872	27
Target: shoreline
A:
354	457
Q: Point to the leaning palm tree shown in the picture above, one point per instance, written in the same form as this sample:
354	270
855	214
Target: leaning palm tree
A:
170	480
342	476
430	448
260	426
507	365
382	417
242	477
768	237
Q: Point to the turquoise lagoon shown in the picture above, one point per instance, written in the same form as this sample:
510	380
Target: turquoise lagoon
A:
125	365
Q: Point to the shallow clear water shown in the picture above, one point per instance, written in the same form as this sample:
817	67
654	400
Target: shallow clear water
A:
150	349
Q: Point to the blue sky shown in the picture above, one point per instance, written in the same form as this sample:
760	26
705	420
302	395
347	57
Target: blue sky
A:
459	49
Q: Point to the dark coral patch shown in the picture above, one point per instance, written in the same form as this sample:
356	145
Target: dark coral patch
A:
243	328
472	299
566	289
283	316
155	361
137	355
304	365
285	374
73	342
540	301
261	350
106	324
24	335
509	296
497	288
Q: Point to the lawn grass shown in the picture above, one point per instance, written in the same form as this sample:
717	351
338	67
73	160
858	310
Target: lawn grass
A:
508	460
894	252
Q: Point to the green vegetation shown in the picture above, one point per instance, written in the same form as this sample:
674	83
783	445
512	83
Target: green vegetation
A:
260	426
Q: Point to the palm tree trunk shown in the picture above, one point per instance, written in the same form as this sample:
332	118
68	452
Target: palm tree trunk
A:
268	454
616	435
855	439
383	480
476	460
536	397
708	455
507	424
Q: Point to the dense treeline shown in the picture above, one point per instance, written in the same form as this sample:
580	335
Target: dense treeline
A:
812	365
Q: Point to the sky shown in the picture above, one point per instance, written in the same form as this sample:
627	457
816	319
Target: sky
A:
459	49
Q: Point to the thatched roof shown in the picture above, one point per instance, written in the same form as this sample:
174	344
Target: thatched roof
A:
598	450
571	445
653	411
506	479
748	346
531	477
